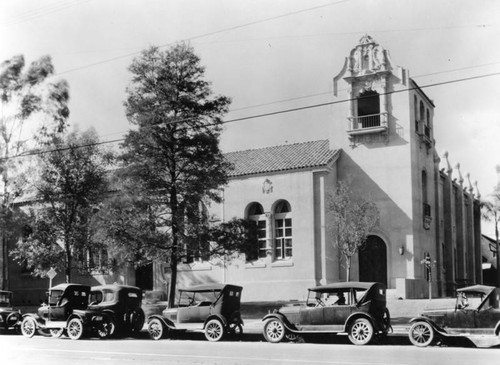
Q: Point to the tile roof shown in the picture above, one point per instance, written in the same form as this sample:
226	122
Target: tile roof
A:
281	158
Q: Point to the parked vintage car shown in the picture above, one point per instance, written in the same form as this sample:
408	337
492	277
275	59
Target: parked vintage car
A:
62	314
119	306
356	308
476	312
212	308
9	318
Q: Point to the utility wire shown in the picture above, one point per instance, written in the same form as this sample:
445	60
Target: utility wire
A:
34	153
42	11
202	36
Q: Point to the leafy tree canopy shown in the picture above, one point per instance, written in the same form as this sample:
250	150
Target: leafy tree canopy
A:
27	94
72	182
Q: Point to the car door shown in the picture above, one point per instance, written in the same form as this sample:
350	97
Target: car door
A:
460	321
310	318
336	315
486	320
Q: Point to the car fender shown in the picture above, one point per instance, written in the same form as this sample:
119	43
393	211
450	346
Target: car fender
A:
215	316
110	314
283	319
433	324
166	322
357	315
81	317
236	318
36	317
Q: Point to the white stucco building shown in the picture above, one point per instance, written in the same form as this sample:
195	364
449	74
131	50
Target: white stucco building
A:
381	143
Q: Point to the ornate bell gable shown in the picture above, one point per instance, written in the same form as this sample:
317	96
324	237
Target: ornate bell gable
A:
367	72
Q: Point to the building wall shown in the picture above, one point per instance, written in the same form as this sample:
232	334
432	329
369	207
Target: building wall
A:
313	258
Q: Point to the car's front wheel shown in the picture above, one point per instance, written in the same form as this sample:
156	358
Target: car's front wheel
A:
75	329
155	329
214	330
28	327
421	334
105	328
274	330
361	331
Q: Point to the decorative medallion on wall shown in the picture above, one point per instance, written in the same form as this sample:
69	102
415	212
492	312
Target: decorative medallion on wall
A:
427	222
267	187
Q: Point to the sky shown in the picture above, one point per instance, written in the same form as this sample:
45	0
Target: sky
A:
271	56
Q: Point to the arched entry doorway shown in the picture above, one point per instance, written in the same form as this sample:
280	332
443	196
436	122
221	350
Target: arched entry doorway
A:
373	260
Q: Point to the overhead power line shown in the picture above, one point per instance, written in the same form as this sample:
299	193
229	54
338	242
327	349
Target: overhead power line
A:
42	11
204	35
255	116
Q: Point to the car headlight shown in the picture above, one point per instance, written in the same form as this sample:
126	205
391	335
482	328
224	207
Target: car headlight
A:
97	318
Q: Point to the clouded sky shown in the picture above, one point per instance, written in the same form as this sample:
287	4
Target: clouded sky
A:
276	55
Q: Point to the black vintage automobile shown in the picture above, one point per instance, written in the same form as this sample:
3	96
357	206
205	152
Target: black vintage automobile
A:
212	308
476	312
9	318
119	306
356	308
58	315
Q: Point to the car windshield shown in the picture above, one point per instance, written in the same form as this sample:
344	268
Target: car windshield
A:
5	300
197	298
54	296
471	300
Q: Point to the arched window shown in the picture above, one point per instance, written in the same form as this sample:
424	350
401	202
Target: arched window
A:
369	109
282	231
428	124
255	213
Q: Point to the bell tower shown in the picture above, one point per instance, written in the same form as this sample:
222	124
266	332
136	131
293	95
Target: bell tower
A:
366	76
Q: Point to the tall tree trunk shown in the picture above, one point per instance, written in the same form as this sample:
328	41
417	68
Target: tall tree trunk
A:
348	267
173	281
175	242
498	250
69	260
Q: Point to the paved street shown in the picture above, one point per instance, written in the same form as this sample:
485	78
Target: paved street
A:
193	349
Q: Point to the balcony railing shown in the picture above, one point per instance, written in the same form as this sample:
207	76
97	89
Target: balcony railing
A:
372	123
427	131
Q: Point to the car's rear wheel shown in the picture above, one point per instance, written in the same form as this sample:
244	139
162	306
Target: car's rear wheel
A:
57	332
274	330
155	329
75	329
136	320
214	330
28	327
361	331
421	334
